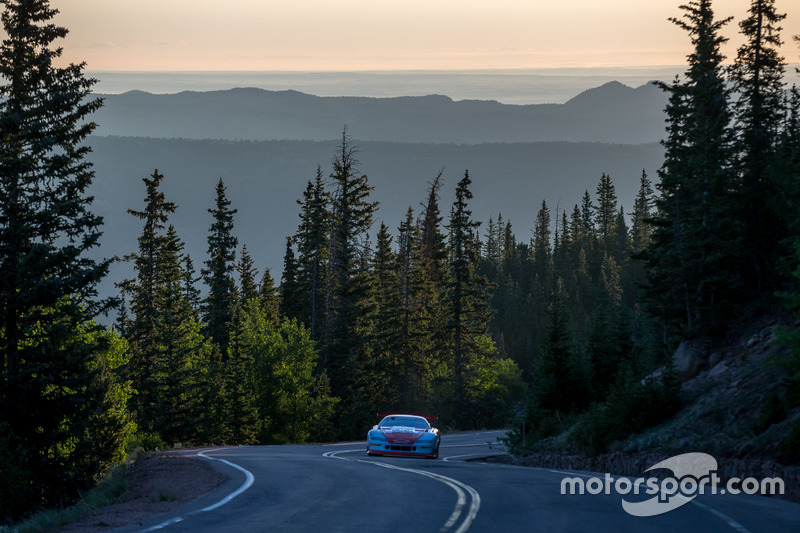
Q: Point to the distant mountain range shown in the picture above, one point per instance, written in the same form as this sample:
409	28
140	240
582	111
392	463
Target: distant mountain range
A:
267	145
611	113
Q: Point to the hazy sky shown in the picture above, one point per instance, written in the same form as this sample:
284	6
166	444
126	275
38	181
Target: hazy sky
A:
379	34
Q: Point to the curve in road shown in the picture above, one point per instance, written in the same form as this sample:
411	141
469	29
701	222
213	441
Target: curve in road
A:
459	488
299	489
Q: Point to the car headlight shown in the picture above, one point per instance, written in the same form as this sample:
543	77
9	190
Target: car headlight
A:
427	437
377	436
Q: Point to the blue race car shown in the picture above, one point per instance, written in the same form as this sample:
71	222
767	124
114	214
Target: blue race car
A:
404	434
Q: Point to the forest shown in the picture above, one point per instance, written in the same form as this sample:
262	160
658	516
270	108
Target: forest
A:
574	324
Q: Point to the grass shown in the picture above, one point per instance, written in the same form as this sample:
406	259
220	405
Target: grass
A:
104	493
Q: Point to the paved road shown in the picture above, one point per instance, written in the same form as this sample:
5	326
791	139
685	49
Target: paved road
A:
338	488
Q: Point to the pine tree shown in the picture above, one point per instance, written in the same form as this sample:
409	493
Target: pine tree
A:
169	355
348	290
247	277
181	351
219	303
416	292
542	273
606	214
587	210
430	271
190	292
291	298
241	396
49	383
141	333
542	251
386	376
610	341
665	258
552	366
622	247
313	240
694	254
432	242
641	227
758	76
268	297
787	168
466	298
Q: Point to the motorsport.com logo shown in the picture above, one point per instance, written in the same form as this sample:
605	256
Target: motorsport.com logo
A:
692	474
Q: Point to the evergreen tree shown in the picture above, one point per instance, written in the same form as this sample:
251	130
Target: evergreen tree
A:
693	256
466	298
758	76
622	247
641	226
181	351
542	252
169	355
432	242
552	371
563	244
418	296
219	303
50	388
787	169
268	297
349	306
290	300
190	292
606	214
142	331
386	375
587	210
313	240
610	341
241	402
248	289
430	271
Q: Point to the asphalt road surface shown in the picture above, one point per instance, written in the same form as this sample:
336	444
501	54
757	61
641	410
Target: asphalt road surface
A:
312	488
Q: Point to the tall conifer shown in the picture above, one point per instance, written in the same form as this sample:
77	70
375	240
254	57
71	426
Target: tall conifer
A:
313	240
219	303
349	305
48	369
467	296
694	253
758	76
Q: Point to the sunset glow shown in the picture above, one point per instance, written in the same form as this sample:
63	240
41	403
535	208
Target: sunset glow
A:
369	35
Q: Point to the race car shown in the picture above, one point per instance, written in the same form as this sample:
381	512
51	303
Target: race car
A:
404	434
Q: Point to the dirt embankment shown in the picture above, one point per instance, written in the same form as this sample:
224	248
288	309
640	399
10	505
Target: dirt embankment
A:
154	484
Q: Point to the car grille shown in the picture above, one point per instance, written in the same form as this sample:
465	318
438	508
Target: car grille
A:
402	448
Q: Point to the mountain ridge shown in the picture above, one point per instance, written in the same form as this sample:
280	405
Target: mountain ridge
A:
612	113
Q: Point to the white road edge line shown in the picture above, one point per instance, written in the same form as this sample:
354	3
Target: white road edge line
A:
249	479
733	524
454	484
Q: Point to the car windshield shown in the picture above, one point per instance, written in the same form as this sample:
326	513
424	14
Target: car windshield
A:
404	421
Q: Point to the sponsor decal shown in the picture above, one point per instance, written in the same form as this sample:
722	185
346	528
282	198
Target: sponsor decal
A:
692	474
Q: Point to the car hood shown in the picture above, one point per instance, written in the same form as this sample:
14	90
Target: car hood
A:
402	435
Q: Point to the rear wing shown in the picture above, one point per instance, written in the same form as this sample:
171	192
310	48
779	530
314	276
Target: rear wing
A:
429	418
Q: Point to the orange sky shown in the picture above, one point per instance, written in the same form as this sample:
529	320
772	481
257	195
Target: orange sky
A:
335	35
